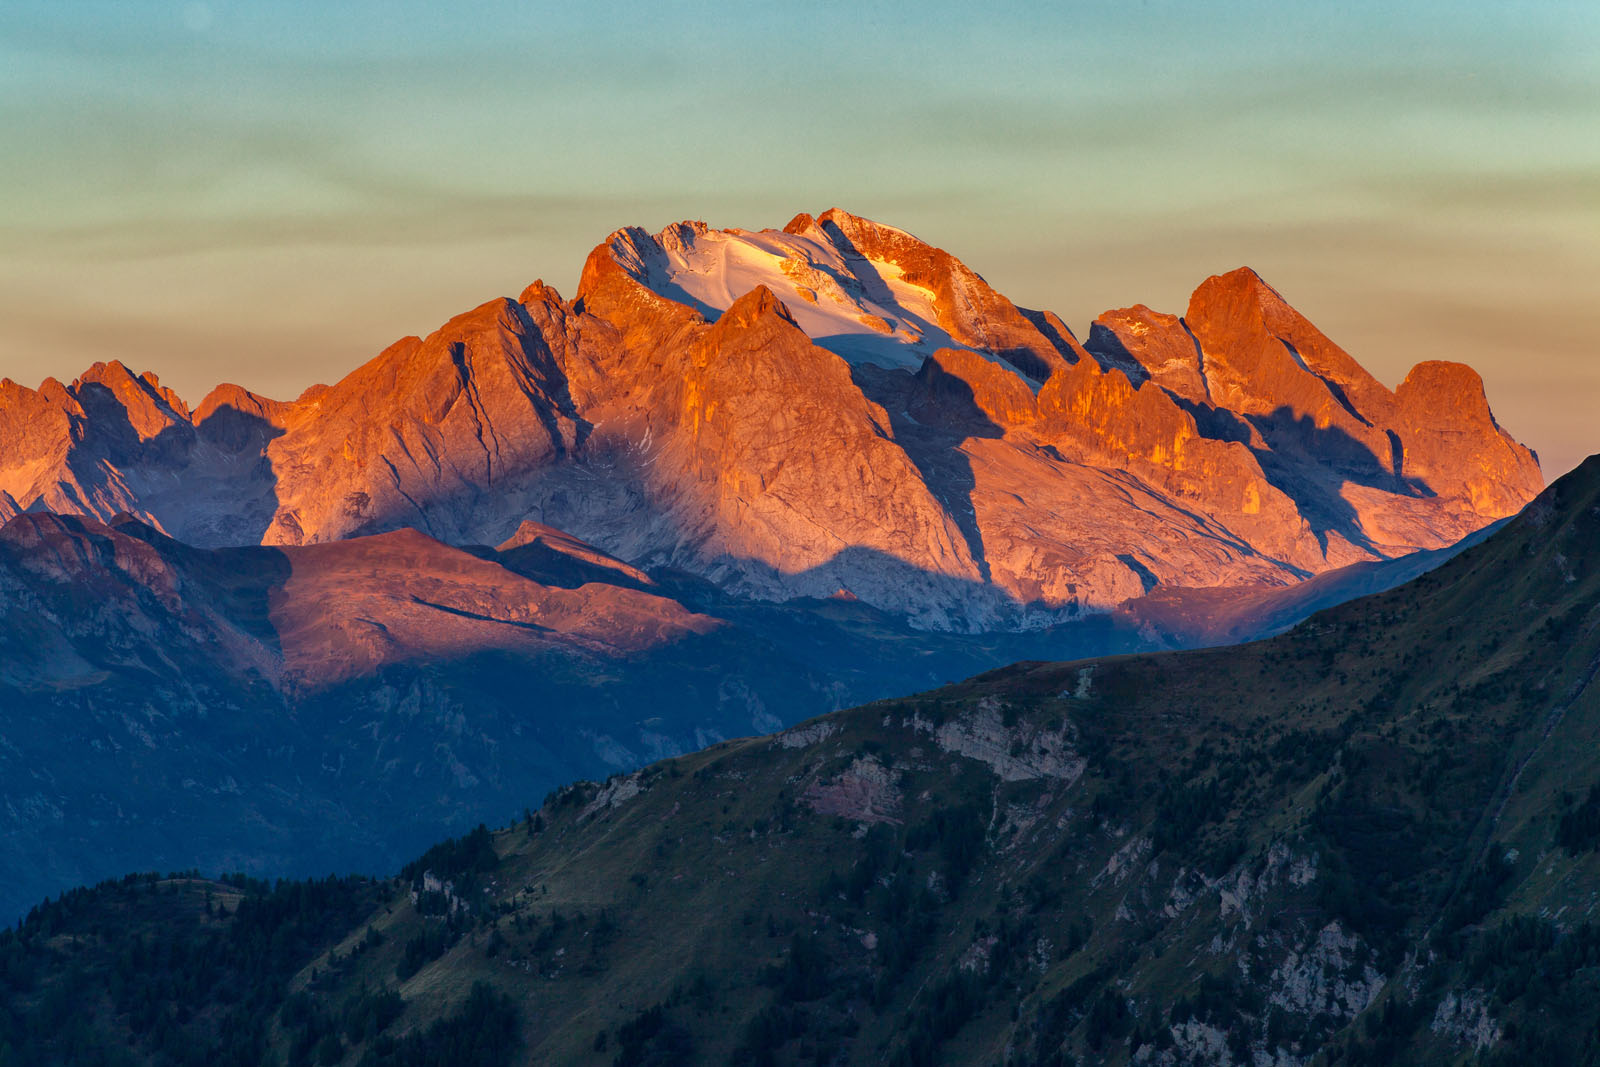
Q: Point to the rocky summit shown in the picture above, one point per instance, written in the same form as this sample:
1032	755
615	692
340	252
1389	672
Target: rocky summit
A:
740	479
834	407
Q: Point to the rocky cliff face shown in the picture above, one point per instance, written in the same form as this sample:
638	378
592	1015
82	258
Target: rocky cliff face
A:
834	406
1369	468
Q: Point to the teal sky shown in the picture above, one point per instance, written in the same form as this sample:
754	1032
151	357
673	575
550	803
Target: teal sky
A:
269	193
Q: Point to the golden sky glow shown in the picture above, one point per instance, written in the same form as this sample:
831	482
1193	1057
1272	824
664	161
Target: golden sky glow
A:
270	193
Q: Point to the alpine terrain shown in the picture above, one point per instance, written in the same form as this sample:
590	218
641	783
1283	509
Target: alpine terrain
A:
1372	839
738	480
837	406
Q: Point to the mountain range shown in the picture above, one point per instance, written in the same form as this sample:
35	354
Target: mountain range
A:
834	407
1373	839
738	480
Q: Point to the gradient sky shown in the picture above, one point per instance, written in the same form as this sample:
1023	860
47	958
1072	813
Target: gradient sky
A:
269	193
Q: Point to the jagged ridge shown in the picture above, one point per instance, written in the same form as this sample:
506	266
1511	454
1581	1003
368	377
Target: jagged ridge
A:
837	405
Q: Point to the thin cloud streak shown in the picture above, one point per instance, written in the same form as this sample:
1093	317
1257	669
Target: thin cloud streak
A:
184	182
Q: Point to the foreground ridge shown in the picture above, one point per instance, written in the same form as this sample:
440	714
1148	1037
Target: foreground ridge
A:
1373	839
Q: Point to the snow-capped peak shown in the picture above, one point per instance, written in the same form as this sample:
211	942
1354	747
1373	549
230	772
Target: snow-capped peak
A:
863	309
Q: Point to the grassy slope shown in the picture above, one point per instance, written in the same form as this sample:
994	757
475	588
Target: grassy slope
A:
1301	846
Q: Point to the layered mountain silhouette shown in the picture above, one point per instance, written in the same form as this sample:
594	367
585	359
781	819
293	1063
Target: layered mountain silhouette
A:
740	479
295	709
834	406
302	708
1372	840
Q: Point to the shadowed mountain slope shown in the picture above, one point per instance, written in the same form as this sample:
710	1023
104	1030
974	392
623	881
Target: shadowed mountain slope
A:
1373	839
292	708
295	709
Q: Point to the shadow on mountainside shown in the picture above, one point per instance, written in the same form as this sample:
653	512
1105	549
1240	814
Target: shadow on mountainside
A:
242	438
171	750
175	752
209	483
109	432
239	583
864	277
1042	323
1281	440
952	415
1109	351
541	563
1336	459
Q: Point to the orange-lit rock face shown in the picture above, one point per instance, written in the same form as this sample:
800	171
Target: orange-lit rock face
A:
1441	406
967	391
1422	465
405	598
473	408
309	617
794	462
1147	344
834	406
